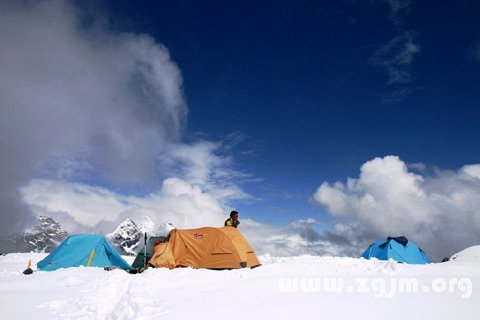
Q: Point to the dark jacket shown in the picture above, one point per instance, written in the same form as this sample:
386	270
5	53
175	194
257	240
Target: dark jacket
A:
231	223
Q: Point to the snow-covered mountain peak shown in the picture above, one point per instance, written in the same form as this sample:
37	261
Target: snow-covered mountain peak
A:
44	236
147	225
128	236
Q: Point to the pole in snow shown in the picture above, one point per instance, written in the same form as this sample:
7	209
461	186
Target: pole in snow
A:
145	252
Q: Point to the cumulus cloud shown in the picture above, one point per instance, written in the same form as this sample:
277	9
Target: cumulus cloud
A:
80	207
79	101
439	212
198	193
300	237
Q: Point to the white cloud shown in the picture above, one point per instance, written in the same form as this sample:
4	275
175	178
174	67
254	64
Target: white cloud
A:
198	194
301	237
472	170
79	100
83	208
100	210
438	212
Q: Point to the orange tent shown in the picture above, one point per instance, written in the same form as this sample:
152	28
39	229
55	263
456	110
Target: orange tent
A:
212	248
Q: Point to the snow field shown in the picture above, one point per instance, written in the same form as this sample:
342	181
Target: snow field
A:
303	287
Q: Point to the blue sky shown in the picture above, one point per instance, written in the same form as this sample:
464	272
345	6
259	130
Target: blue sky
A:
327	125
301	80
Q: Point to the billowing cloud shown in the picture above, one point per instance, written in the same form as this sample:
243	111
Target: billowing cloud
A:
80	101
197	194
300	237
81	207
439	211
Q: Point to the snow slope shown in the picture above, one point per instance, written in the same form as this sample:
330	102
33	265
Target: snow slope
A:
471	254
283	288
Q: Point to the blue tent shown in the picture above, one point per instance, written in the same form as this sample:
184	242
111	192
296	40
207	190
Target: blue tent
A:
83	250
398	248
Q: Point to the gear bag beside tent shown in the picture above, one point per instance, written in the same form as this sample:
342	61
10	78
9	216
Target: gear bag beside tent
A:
83	250
211	248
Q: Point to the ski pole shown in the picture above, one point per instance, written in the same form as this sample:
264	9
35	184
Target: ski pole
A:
145	252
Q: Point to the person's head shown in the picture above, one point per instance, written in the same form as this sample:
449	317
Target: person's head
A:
234	215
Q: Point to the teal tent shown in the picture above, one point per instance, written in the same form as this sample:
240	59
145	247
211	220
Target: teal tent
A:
83	250
396	248
140	259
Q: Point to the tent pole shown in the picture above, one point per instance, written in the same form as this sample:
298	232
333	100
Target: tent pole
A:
91	258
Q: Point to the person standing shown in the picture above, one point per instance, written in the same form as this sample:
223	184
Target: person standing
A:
233	220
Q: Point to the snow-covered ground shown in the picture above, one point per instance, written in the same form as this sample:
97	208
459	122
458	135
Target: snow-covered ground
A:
304	287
